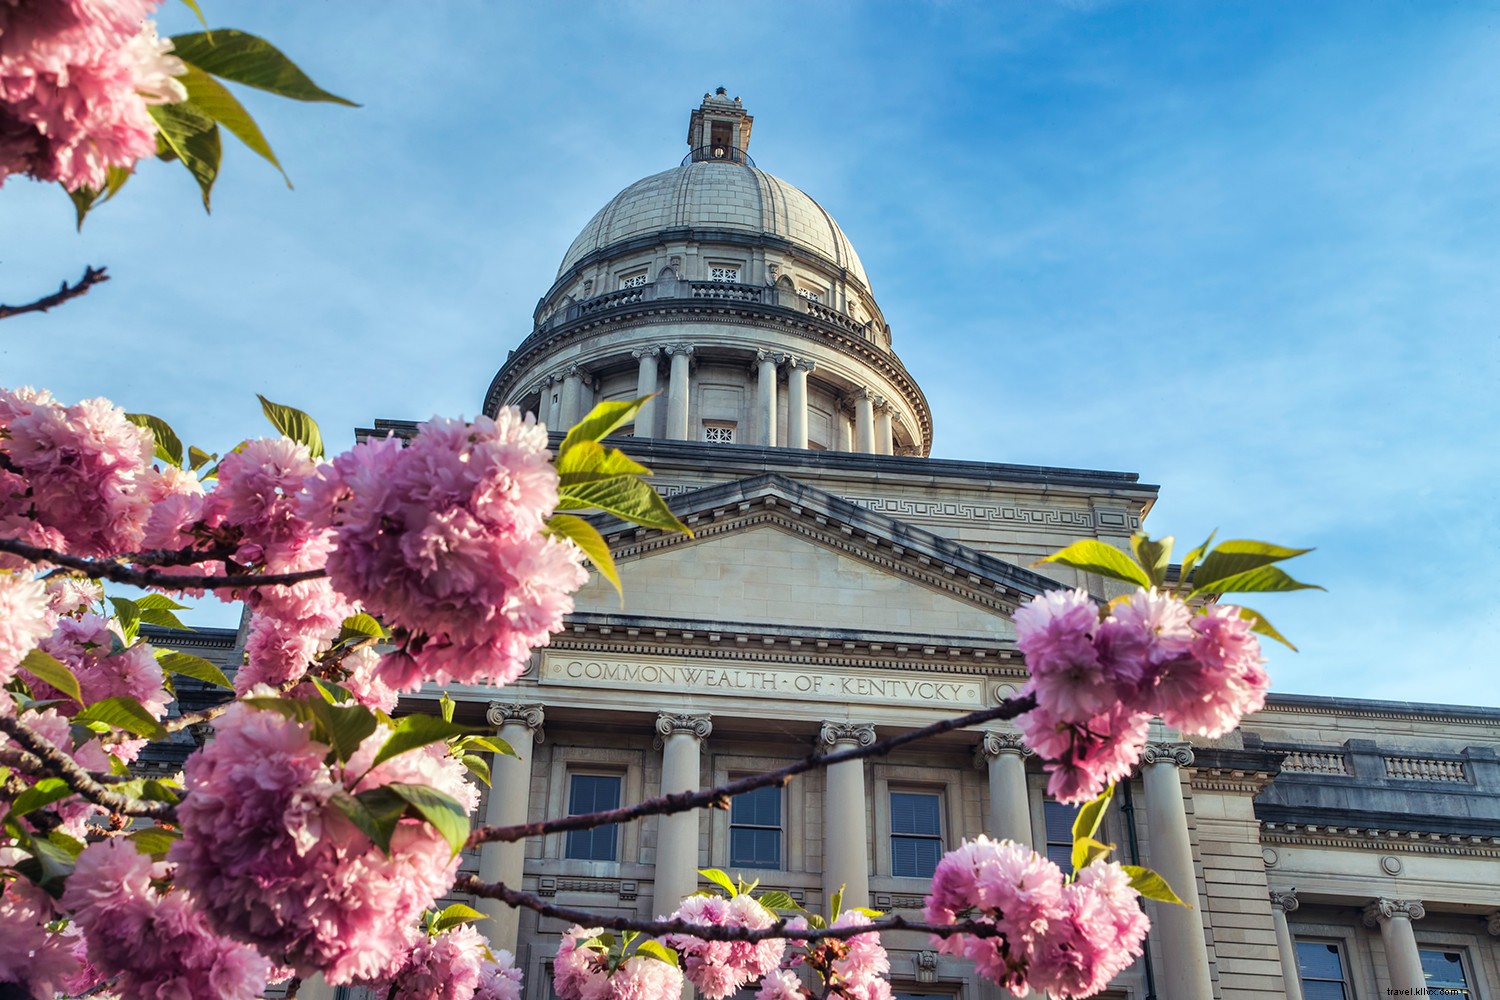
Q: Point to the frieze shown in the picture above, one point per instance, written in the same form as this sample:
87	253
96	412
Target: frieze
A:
967	511
1362	838
762	680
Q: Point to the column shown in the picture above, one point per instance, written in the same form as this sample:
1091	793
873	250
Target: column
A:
846	857
1010	804
572	397
1283	903
645	385
796	387
864	421
843	436
1185	974
677	392
508	804
679	738
554	406
885	440
765	398
1403	963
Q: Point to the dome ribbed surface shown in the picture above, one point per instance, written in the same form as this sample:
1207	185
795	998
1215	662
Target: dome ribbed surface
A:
709	195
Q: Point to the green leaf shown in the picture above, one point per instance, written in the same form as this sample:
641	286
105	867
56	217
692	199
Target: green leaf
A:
1151	885
46	667
154	840
361	626
86	198
1091	814
334	694
193	6
375	812
158	602
591	543
601	421
1238	556
658	951
129	614
123	712
198	458
244	58
493	744
1154	556
295	709
163	619
867	911
777	900
1190	561
56	853
193	138
168	444
626	497
1266	579
1258	623
452	916
718	878
446	706
1093	556
1087	850
195	667
346	726
412	731
214	99
39	796
439	809
838	903
588	461
294	424
478	766
155	790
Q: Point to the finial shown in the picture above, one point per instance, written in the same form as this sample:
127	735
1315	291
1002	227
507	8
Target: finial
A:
721	92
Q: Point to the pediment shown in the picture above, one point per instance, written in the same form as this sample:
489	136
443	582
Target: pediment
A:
770	550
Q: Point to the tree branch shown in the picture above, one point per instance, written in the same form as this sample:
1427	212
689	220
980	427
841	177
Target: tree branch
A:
707	932
103	569
91	276
54	759
719	797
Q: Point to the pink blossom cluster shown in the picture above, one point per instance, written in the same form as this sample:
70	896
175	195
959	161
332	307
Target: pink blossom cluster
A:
1067	939
76	77
583	973
1098	680
455	965
25	620
861	971
444	537
276	863
37	960
721	968
157	943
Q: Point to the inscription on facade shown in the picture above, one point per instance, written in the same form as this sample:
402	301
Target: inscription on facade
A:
870	687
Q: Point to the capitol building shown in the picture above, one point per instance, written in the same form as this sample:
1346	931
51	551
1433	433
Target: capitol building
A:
841	586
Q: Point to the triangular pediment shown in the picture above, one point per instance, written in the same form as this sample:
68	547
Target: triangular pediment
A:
774	551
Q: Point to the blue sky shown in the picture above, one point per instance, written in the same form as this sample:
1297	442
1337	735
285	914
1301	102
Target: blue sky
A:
1248	250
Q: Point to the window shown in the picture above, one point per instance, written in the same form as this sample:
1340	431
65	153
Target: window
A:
1445	969
635	280
810	295
1322	970
591	793
724	272
718	433
1059	818
916	833
755	829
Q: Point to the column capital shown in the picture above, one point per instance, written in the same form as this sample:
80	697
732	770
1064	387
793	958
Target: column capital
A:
645	352
803	364
1384	909
994	743
670	349
1176	754
833	733
511	712
575	371
1286	902
671	724
864	392
772	356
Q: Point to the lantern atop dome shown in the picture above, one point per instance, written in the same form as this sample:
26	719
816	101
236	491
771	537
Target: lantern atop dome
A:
719	129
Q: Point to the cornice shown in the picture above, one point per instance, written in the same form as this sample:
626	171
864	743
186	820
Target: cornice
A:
1360	708
1387	841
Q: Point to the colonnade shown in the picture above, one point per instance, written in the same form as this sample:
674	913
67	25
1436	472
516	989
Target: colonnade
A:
565	398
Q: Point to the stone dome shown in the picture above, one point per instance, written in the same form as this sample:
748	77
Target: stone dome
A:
726	195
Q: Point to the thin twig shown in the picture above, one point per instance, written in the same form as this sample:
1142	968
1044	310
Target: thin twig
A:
54	759
719	797
715	932
103	569
91	277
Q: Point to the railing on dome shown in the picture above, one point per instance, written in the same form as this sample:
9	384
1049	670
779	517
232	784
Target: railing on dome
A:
718	154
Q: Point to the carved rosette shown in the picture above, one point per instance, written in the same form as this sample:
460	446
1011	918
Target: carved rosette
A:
860	734
668	724
1177	754
503	713
994	743
1492	923
1388	909
1286	902
926	966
